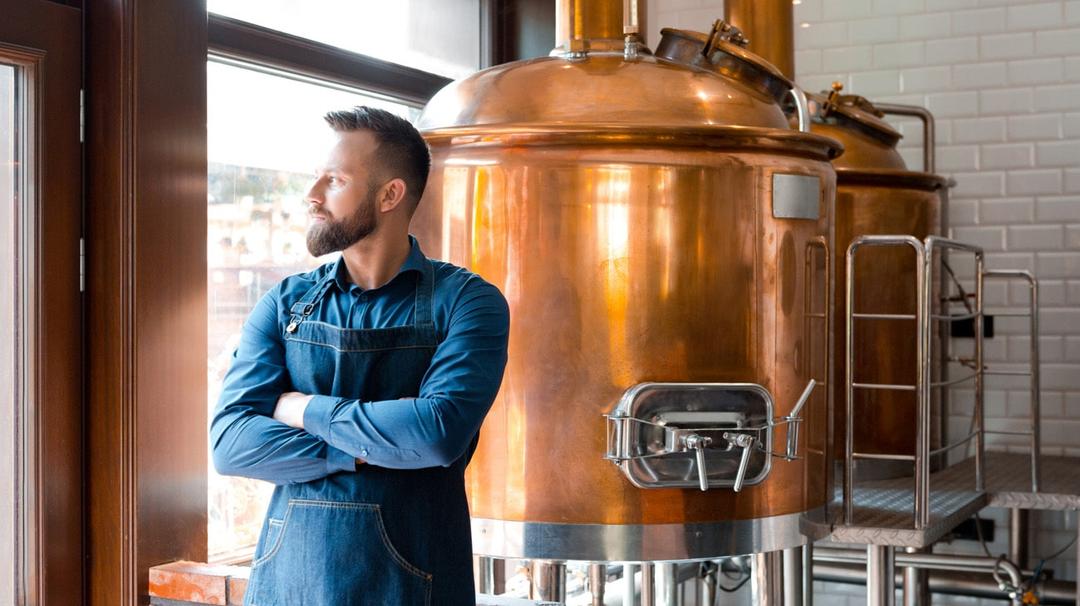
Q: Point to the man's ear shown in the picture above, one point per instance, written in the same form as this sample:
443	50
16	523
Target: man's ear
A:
392	195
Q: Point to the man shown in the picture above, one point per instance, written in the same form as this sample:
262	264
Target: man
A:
359	388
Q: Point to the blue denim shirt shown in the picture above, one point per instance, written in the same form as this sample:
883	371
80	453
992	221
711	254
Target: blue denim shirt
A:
435	428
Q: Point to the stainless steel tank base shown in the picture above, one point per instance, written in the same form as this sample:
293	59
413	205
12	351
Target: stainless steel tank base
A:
646	542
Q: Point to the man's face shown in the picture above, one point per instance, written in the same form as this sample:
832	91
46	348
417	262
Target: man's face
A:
342	201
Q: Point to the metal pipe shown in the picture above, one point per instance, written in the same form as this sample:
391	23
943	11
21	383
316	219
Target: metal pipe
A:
849	387
808	574
581	20
1036	412
549	581
1018	536
880	576
769	26
629	584
486	567
928	128
648	585
802	108
928	561
707	584
767	579
597	583
492	575
793	576
916	591
980	441
949	582
667	584
924	294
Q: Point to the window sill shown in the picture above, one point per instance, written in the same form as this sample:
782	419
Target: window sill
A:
194	583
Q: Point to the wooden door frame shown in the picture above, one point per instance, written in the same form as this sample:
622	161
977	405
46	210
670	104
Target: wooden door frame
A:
146	256
42	40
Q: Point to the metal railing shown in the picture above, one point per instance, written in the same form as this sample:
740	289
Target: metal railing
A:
1033	371
925	319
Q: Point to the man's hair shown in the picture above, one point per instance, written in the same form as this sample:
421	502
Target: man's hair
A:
401	151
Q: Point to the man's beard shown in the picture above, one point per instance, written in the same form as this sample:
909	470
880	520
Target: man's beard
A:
334	235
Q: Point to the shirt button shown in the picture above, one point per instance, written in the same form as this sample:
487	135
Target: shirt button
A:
363	452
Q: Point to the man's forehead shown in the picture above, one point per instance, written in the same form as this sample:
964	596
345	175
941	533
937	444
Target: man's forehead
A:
351	149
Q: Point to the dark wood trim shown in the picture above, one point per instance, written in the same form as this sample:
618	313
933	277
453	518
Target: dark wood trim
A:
518	29
44	39
146	249
242	41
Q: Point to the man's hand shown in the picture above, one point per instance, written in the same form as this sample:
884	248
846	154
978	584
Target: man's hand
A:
290	408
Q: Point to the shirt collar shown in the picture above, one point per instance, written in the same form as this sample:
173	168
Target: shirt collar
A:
414	262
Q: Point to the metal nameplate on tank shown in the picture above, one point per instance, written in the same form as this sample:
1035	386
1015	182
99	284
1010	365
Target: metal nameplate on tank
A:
796	196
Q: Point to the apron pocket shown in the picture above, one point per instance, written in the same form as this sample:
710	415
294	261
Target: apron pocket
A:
271	542
330	553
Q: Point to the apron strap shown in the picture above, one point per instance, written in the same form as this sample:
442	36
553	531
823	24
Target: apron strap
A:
423	307
303	308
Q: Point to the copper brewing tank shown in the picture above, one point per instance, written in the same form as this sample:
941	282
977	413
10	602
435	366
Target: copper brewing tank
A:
627	206
877	194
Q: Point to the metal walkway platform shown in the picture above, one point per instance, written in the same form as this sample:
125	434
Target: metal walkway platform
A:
883	509
1008	481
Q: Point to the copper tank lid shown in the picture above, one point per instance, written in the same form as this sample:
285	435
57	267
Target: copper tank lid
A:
603	87
869	141
694	80
723	51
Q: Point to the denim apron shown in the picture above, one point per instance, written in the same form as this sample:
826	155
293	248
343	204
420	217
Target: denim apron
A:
376	537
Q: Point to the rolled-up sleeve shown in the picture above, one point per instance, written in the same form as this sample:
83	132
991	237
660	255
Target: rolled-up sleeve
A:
244	437
437	427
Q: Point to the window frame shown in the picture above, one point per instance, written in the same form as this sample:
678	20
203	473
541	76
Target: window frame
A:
252	45
239	43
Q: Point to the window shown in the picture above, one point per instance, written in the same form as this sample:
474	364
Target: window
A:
437	36
265	136
9	397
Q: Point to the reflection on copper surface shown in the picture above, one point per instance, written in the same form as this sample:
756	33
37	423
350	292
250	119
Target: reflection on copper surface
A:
623	265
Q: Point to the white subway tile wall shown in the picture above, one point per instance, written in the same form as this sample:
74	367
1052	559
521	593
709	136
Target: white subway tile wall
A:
1003	79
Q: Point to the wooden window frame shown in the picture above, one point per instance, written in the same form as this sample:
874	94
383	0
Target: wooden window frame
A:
146	249
48	440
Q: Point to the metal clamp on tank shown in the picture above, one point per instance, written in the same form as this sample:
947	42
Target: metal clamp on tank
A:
704	435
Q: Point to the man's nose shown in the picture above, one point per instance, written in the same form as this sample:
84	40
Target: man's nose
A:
314	194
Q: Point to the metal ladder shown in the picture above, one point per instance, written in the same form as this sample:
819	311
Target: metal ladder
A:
925	317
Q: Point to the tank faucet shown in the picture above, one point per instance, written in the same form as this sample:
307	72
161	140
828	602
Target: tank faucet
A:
698	444
746	442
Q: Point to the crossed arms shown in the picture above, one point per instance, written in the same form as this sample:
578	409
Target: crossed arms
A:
435	428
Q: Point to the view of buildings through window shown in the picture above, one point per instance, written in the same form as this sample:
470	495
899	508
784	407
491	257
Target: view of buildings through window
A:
266	136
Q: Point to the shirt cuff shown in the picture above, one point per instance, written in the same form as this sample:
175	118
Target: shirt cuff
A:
339	460
317	416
